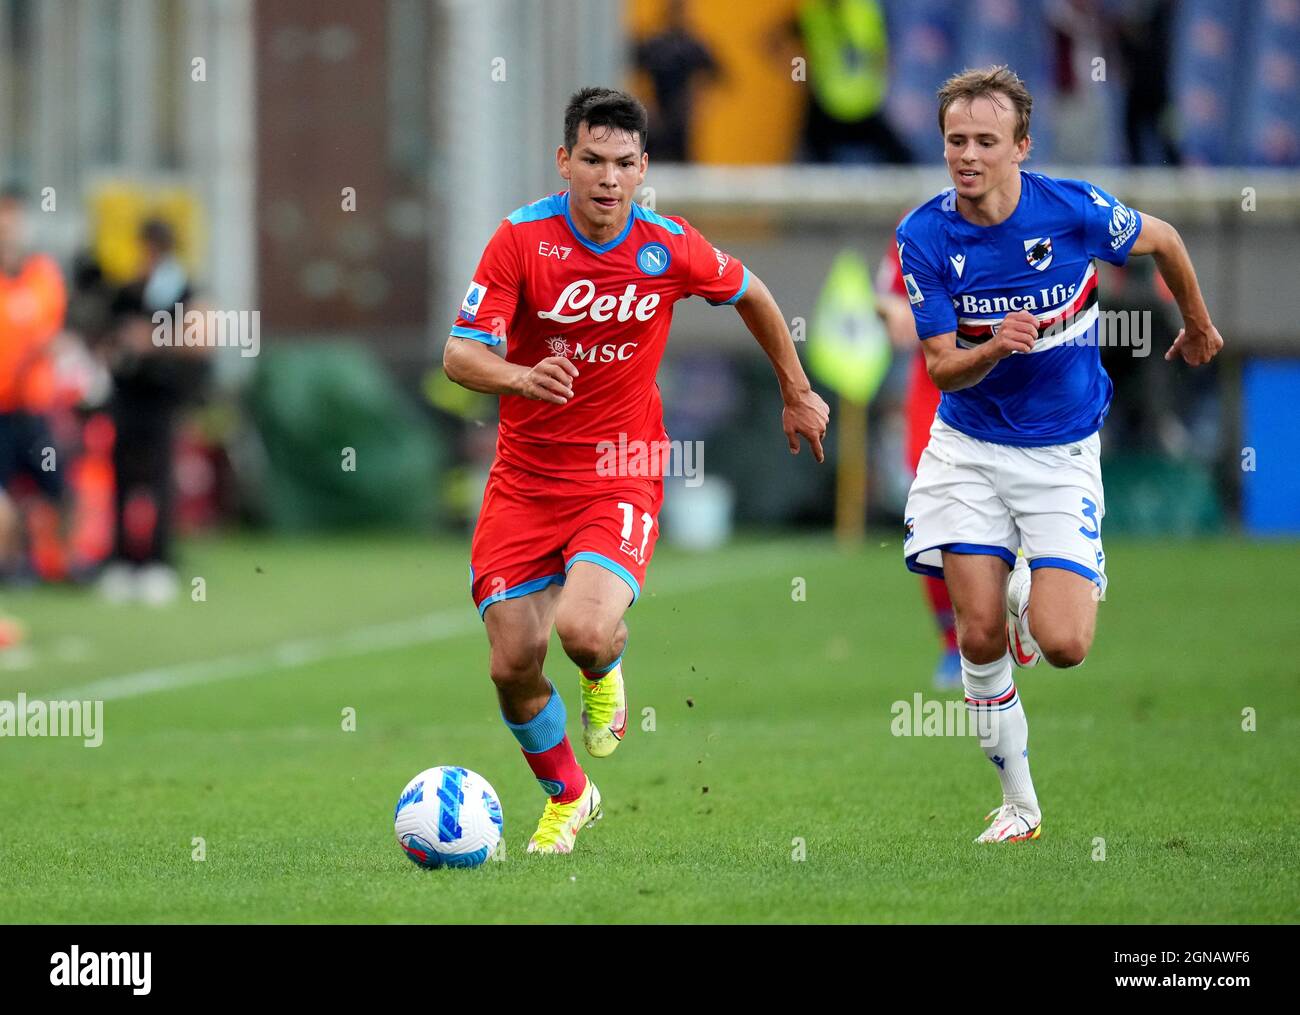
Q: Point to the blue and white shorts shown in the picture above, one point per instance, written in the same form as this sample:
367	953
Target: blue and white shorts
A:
972	496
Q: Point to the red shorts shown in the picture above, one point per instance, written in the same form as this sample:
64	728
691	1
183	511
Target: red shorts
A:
532	529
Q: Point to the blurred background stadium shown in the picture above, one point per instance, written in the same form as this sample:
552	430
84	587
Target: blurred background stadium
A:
336	168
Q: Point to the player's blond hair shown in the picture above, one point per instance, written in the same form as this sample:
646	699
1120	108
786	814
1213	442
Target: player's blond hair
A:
993	83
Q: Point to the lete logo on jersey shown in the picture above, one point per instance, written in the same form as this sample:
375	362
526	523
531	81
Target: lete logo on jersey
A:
581	296
473	300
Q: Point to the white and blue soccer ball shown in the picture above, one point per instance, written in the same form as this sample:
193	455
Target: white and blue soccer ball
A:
448	817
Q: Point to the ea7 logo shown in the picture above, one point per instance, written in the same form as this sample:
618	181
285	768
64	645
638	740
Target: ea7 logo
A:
554	250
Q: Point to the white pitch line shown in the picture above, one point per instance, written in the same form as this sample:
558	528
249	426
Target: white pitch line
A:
284	656
361	641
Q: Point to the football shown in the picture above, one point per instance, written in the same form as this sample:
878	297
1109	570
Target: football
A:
448	817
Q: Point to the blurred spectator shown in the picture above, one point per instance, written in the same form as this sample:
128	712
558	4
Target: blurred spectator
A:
1145	33
150	383
847	53
1167	408
32	306
676	62
1079	117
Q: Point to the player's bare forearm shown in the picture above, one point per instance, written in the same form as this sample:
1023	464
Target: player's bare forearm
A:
763	318
1199	341
1161	239
473	365
952	368
805	413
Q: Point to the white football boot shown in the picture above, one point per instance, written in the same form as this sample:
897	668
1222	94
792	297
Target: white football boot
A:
1011	823
1024	650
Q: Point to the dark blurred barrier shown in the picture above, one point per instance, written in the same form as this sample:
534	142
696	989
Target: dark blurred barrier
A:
343	445
1153	495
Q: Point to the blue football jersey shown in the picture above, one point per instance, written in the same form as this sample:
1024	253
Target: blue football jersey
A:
965	278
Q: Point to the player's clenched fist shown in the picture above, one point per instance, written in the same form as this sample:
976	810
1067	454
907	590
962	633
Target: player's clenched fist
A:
550	381
806	415
1016	333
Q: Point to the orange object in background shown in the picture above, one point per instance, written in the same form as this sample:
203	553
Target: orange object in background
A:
90	539
755	112
12	633
49	557
32	306
59	547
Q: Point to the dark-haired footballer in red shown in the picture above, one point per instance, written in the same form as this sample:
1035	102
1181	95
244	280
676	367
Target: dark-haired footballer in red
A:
578	288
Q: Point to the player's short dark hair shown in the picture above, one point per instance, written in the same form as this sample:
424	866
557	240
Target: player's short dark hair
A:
994	83
604	107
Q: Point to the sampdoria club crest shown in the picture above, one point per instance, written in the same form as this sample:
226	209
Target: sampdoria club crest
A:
1038	252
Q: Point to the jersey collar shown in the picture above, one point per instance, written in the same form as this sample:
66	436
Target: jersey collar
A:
1010	220
598	248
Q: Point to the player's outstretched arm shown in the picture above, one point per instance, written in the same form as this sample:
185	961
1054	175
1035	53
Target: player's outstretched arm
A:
473	365
1199	340
805	414
953	368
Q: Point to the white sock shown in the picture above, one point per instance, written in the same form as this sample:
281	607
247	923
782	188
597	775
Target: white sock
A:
992	699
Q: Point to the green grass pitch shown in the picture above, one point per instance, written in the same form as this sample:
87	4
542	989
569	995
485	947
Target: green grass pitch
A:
223	721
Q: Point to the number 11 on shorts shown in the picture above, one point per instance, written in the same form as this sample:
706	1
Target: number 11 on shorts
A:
647	523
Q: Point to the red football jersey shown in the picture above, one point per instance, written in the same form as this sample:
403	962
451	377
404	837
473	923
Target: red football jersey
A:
546	290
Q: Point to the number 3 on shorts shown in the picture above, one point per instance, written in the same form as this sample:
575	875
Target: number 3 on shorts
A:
647	523
1090	515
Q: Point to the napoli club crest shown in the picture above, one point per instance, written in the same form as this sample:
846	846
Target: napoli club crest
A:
1038	252
653	259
